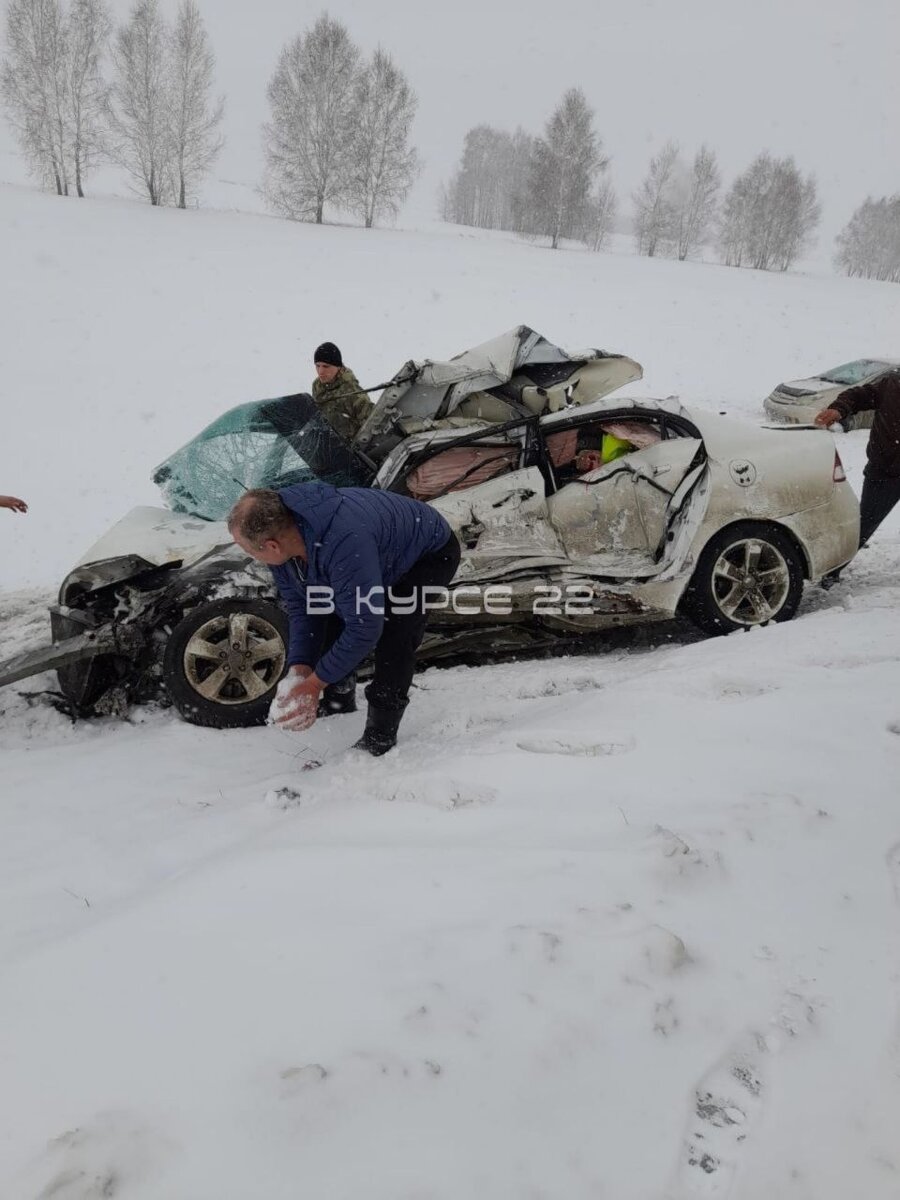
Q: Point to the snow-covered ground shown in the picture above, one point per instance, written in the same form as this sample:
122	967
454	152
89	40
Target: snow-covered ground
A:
620	925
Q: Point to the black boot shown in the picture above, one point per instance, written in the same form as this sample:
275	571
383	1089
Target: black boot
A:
338	698
380	734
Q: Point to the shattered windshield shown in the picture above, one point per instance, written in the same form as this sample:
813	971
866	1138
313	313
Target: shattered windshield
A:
854	372
267	443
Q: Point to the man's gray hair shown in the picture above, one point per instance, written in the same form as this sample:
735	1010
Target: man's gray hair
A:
259	515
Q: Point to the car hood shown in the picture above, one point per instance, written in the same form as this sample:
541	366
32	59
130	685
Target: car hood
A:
521	357
810	387
158	537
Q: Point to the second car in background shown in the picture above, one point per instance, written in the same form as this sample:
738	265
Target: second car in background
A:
797	402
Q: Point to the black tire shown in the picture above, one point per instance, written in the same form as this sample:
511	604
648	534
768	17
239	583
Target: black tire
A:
213	646
84	683
764	579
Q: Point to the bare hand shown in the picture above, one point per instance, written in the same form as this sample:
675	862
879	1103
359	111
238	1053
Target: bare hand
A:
828	416
296	705
13	503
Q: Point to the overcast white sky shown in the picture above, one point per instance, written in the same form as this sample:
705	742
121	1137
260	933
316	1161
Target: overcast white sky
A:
819	79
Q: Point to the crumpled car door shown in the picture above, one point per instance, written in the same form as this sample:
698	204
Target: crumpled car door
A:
615	519
503	525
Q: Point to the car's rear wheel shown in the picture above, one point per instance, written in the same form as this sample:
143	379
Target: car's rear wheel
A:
223	662
748	575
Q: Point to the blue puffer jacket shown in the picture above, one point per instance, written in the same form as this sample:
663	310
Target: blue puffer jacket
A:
356	539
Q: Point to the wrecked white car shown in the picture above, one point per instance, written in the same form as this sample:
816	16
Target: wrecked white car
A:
696	514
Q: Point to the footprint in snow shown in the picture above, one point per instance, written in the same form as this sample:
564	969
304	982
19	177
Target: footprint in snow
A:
287	797
297	1080
743	689
107	1157
726	1103
541	689
574	747
728	1099
434	792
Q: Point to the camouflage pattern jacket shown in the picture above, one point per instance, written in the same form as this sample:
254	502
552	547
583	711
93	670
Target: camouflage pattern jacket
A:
343	405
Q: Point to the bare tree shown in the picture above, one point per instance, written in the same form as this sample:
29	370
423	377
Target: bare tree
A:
141	94
769	215
695	203
308	140
473	192
489	188
194	117
800	215
384	164
516	165
564	164
88	93
33	82
654	204
869	244
602	215
736	219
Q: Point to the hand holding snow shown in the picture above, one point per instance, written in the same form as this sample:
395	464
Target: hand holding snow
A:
293	708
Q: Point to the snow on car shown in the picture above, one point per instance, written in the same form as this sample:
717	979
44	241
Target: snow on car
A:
798	401
702	515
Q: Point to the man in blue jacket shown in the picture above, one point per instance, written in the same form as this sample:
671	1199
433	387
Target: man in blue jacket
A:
368	557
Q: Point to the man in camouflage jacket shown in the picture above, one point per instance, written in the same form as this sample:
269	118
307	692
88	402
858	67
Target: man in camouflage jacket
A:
337	393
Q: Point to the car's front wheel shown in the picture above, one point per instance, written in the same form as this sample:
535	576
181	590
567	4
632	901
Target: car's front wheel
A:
747	575
223	661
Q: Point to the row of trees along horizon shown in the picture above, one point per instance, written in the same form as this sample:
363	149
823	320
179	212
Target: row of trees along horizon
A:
78	91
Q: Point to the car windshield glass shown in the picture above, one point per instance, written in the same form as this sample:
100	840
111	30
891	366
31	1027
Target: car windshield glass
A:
268	443
853	372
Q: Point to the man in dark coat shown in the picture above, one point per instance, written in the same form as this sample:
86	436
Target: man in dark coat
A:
881	478
336	391
356	569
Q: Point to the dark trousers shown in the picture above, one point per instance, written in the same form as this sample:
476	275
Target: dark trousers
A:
878	498
395	653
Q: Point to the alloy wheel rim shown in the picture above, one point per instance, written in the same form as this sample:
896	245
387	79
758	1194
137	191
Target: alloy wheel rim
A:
234	658
751	581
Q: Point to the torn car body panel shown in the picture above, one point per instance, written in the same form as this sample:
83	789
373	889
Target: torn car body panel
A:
110	639
519	372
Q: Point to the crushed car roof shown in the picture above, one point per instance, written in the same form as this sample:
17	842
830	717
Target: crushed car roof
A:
429	388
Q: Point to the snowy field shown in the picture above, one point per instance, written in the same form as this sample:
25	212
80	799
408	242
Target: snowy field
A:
623	925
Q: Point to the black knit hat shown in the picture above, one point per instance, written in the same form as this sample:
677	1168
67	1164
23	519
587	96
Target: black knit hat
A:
328	353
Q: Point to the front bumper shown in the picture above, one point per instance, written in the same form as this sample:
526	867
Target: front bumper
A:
74	647
791	412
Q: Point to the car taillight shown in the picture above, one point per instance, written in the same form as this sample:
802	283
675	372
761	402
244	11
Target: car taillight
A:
838	475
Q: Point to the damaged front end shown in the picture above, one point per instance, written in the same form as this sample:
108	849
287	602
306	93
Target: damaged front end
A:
102	633
132	620
114	617
99	636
